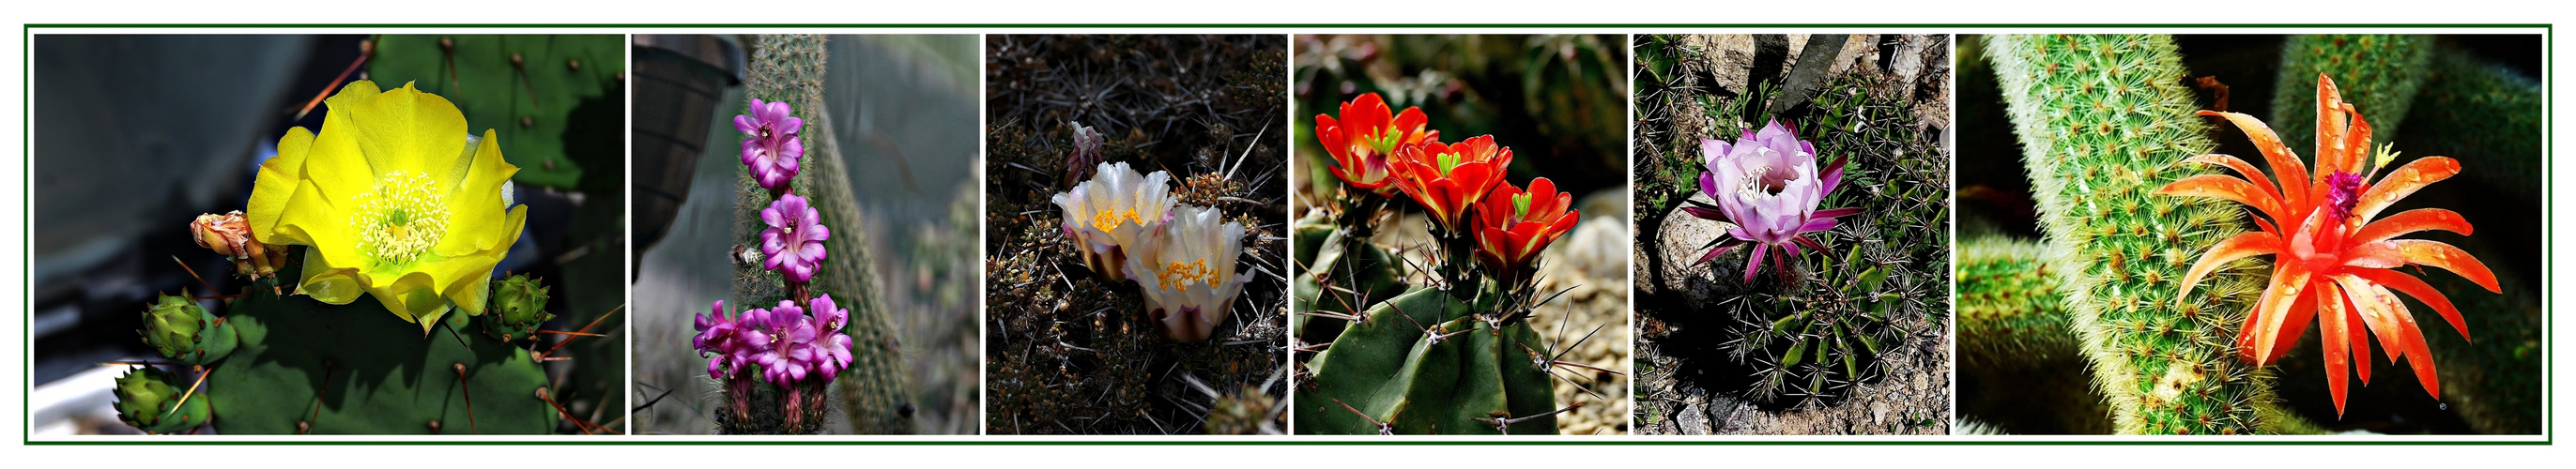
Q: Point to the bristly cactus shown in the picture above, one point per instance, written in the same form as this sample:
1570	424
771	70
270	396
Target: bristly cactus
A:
518	306
2009	309
529	85
156	401
2101	118
2378	73
179	330
308	367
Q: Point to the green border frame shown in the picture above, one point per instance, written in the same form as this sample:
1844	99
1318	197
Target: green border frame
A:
2548	138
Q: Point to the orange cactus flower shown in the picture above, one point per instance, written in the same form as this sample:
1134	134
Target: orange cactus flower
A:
1365	136
1447	178
1513	226
2331	261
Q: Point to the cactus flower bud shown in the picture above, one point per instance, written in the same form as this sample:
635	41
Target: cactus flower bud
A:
145	399
229	234
179	330
518	306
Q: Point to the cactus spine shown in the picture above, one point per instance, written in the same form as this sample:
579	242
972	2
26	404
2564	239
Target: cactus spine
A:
2102	120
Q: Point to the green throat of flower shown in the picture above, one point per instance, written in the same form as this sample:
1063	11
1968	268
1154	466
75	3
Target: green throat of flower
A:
1520	206
400	220
1449	161
1384	140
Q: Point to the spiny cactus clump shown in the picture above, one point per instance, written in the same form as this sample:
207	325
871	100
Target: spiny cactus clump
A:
1455	353
2378	73
2101	118
1094	325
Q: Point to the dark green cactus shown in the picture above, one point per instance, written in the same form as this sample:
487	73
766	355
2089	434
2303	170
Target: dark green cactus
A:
179	330
2378	74
152	400
1425	363
518	306
525	86
308	367
2102	120
2487	116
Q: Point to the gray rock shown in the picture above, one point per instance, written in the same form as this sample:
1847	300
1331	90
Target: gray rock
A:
1701	286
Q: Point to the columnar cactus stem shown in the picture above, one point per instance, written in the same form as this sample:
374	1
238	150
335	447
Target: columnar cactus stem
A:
2102	119
2379	73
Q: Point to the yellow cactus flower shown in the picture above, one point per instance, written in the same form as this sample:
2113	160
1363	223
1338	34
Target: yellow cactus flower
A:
395	199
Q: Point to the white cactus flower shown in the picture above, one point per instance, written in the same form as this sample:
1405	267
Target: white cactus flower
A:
1187	272
1113	212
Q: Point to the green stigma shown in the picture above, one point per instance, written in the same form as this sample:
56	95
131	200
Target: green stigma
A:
1385	140
1448	161
1520	205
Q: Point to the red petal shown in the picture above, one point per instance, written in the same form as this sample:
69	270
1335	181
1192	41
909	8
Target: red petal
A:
2416	288
2438	254
2412	221
1724	246
2286	168
2236	247
2403	182
2230	188
2332	153
2289	284
2356	141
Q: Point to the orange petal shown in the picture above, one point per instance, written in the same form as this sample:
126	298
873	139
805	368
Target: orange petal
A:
2242	168
2357	327
2418	355
2403	182
2289	283
2379	255
2416	288
2332	153
2356	142
2236	247
2286	167
2438	254
2377	308
2412	221
2337	338
2226	187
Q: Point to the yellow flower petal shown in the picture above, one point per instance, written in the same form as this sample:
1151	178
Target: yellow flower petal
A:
327	284
474	206
278	178
402	129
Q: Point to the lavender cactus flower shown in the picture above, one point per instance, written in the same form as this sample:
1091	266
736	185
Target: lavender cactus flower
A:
793	243
1767	187
789	355
769	145
832	350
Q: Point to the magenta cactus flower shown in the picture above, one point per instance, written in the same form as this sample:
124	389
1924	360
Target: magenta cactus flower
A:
832	349
789	352
1767	187
793	243
769	145
720	336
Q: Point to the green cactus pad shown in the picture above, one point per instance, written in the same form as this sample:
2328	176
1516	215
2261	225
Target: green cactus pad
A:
145	398
2103	123
1388	368
518	306
308	367
179	330
524	86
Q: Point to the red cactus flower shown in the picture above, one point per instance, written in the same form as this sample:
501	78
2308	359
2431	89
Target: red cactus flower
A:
1513	226
2331	262
1447	178
1365	136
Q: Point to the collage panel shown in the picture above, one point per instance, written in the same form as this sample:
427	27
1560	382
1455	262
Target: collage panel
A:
1459	240
374	234
808	266
1135	232
1793	255
2132	205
